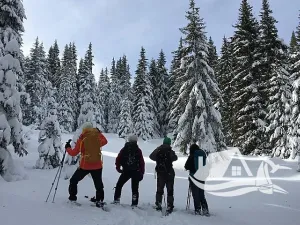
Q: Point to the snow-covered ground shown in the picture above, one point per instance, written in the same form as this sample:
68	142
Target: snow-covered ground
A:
23	202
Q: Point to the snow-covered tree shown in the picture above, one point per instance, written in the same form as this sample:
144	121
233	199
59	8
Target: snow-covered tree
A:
247	103
125	125
103	97
143	115
277	86
11	26
88	90
125	79
175	82
294	131
37	75
66	96
224	74
54	67
114	98
161	94
50	139
201	121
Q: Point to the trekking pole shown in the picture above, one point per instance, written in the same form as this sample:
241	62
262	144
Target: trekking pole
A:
58	173
188	200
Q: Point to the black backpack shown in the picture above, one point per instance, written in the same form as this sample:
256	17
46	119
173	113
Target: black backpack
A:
163	161
130	159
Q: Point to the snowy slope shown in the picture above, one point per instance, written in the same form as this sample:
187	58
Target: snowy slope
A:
23	202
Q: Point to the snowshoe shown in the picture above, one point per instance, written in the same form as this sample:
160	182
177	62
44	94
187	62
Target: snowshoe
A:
169	211
93	199
206	213
198	212
116	202
74	203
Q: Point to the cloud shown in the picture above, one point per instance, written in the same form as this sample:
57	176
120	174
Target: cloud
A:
117	27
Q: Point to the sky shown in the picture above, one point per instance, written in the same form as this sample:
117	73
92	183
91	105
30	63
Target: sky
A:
117	27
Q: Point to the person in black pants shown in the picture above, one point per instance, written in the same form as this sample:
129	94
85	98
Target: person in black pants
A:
133	167
164	157
192	165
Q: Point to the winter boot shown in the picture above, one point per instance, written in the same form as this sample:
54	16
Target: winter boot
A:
169	209
158	206
100	204
198	211
116	201
135	200
204	206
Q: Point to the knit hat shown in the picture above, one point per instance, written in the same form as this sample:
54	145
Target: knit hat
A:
87	125
132	138
167	141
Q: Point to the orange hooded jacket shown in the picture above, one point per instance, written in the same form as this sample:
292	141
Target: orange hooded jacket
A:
74	152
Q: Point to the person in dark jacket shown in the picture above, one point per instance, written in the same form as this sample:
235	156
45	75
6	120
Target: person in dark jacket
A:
164	157
131	159
192	165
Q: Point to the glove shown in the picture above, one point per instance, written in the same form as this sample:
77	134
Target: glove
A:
119	170
68	145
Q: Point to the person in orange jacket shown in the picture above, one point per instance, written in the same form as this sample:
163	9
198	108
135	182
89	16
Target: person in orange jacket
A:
89	146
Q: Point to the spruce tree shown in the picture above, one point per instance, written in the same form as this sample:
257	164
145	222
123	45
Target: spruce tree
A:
115	98
212	56
175	82
104	93
125	86
125	125
201	122
247	104
294	136
225	76
143	115
87	91
276	81
54	65
66	97
294	47
50	138
11	28
36	80
161	93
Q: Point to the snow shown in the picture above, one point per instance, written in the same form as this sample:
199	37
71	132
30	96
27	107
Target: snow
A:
27	196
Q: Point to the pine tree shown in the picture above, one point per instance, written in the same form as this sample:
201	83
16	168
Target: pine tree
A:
247	104
142	114
104	93
50	138
66	97
161	93
225	76
54	67
115	98
212	56
294	47
87	91
201	122
125	126
11	28
125	86
175	82
153	76
274	68
36	80
294	136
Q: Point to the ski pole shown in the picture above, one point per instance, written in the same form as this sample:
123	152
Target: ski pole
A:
58	173
188	199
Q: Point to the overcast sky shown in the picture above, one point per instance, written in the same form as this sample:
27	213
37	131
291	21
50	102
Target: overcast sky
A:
117	27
